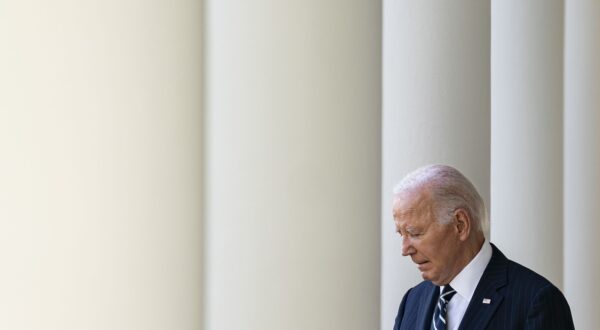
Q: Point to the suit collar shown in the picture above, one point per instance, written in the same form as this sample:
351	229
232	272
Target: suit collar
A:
426	307
486	297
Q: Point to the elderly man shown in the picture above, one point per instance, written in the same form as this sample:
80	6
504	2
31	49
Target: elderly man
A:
468	283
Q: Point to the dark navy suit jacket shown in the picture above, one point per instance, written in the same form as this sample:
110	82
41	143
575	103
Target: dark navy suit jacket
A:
518	297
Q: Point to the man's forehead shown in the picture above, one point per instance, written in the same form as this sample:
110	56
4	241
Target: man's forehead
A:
407	203
401	212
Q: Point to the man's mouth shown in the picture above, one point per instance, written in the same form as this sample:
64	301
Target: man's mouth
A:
422	264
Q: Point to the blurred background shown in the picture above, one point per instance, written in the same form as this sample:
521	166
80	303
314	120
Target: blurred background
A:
227	165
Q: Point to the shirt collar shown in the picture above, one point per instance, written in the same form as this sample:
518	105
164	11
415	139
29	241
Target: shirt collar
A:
466	281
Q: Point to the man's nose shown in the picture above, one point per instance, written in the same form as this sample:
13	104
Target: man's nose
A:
407	248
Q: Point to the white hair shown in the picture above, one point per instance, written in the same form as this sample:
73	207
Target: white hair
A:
449	190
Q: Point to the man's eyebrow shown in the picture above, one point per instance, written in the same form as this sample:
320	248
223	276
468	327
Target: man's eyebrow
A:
409	229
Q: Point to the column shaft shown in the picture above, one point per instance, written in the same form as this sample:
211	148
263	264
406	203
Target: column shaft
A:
526	172
293	164
582	160
100	165
436	110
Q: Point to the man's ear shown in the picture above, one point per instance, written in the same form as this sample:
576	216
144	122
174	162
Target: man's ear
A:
462	223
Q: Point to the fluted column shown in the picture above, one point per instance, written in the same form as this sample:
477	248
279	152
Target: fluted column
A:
436	110
293	164
100	165
582	161
526	147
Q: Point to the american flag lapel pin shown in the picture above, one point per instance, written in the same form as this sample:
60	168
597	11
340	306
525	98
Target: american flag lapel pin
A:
487	301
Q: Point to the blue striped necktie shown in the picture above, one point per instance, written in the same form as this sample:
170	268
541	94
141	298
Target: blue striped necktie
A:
439	314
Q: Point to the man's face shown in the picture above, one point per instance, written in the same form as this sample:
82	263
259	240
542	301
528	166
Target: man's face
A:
434	247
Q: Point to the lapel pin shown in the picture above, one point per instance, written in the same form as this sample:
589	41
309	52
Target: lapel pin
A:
487	300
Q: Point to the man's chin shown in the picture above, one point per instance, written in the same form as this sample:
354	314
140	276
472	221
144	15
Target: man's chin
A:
427	276
425	270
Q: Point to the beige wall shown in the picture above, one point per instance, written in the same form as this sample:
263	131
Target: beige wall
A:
100	158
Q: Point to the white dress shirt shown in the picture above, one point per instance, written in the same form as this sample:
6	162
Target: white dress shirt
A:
465	283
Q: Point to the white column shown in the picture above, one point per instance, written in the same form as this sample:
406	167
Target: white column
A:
436	110
293	164
526	172
582	161
100	165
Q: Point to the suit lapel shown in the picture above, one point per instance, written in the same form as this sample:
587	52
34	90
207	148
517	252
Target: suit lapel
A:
426	305
486	297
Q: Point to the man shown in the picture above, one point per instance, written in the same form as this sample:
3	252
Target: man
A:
468	283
